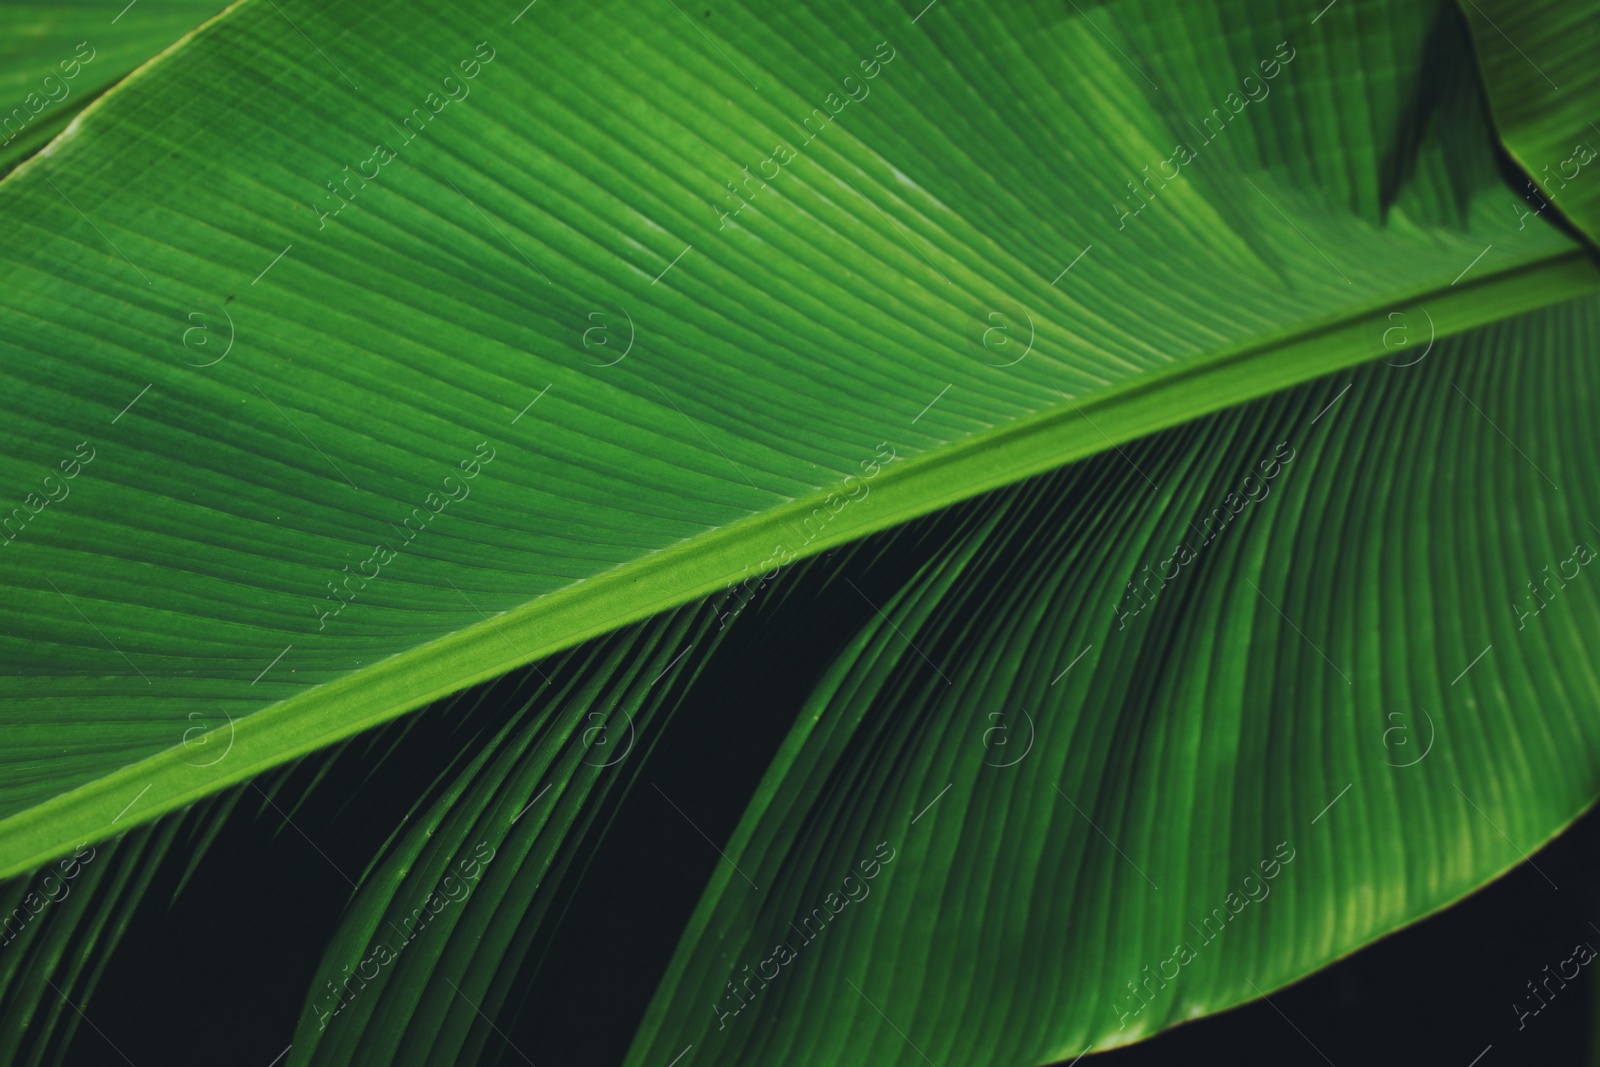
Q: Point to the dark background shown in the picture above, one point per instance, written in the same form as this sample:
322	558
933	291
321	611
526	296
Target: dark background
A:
219	975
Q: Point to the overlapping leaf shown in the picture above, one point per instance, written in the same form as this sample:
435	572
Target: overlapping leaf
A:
437	936
1537	63
1176	727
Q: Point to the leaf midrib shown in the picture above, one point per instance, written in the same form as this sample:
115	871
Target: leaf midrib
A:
639	588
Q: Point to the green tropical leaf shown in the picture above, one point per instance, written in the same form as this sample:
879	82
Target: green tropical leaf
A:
57	57
1544	108
777	358
432	942
1050	802
357	356
59	928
